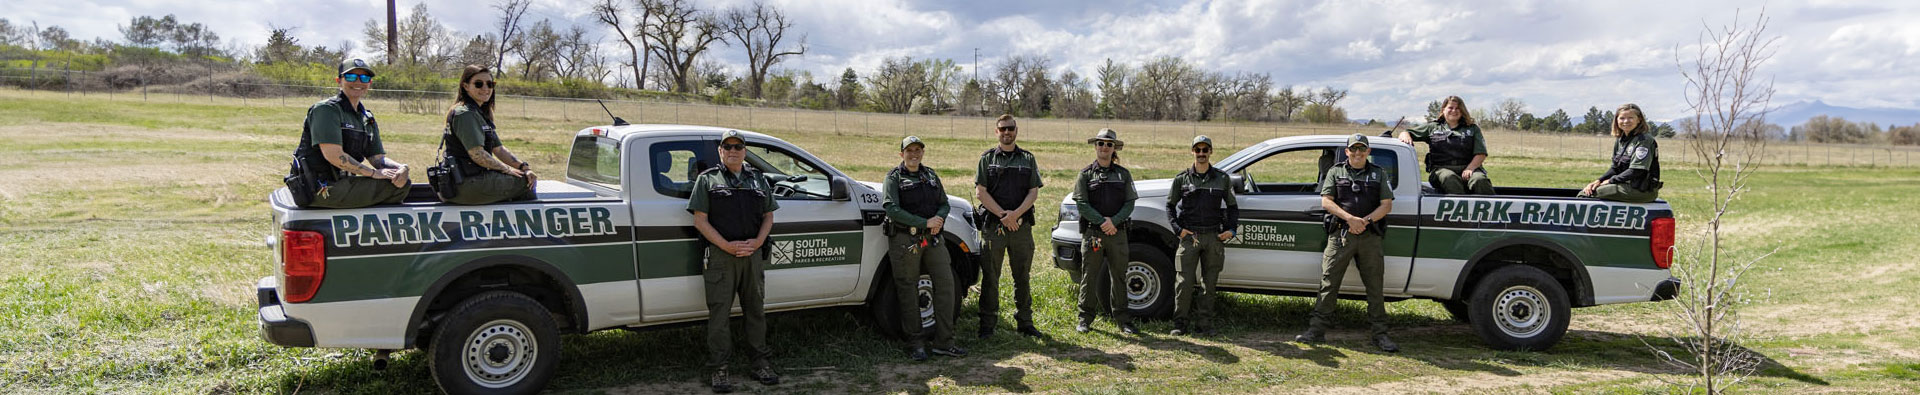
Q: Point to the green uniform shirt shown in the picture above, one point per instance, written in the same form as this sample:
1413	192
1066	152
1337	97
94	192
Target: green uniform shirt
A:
1375	171
470	127
1095	173
1181	215
1471	132
327	118
748	178
1642	149
890	190
1017	158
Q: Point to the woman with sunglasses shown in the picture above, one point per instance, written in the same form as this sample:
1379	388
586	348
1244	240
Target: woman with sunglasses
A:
489	172
339	135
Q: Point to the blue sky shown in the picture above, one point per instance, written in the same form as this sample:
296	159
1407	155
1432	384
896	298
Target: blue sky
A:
1394	56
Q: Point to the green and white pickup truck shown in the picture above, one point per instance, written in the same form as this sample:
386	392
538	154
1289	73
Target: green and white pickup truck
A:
1512	265
487	290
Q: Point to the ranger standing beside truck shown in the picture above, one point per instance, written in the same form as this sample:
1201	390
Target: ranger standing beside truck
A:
732	207
916	205
1006	182
1350	189
1105	196
1204	214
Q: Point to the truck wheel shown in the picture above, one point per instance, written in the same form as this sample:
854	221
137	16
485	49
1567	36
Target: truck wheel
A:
1149	282
965	273
496	342
1457	309
884	309
1519	308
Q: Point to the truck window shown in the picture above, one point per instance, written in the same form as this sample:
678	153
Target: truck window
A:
780	166
1292	171
674	164
1385	158
595	160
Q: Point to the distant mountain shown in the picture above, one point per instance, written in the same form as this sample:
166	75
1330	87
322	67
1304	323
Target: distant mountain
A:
1798	113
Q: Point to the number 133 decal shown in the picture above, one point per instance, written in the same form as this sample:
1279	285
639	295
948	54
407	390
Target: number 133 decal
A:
869	198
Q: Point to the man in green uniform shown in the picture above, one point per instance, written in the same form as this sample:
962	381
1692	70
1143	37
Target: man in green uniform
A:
1104	194
1635	174
916	205
1006	182
732	206
1455	150
1357	197
1204	212
338	135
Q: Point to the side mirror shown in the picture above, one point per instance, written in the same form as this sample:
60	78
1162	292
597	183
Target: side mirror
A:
1239	184
839	192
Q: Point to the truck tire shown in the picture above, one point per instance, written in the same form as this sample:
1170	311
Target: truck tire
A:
966	273
1149	282
884	309
1457	309
497	342
1519	307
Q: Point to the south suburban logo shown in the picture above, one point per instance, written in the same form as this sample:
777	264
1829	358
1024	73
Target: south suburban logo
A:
805	251
1258	235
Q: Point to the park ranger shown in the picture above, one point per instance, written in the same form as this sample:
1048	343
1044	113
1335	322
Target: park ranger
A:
916	205
490	172
1006	182
1104	194
1357	198
1635	174
732	207
1455	150
1204	213
338	135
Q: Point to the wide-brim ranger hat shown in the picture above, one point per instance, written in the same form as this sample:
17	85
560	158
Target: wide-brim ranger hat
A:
1108	135
1357	139
910	141
351	64
732	134
1202	139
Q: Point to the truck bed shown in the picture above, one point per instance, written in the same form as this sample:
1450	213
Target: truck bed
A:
422	195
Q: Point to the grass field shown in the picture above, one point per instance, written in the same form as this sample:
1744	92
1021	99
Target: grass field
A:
131	234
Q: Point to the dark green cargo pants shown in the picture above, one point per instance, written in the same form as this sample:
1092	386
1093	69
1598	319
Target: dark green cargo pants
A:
357	191
1363	250
1447	179
1623	193
490	187
1103	265
728	276
909	259
1017	248
1202	255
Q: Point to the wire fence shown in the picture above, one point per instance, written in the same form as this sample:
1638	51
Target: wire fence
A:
217	86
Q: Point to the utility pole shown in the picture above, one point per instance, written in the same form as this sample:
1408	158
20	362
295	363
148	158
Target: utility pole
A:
392	24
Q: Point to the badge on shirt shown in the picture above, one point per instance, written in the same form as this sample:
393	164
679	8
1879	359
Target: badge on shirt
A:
1640	153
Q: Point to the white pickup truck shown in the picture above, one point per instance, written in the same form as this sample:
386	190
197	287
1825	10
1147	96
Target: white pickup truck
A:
487	290
1512	265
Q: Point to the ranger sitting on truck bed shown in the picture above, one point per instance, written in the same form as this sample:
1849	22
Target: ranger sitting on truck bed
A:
1512	265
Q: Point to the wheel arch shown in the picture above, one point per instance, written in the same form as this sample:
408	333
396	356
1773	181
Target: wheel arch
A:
546	283
1556	260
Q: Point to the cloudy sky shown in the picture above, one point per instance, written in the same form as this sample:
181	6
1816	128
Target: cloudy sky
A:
1393	55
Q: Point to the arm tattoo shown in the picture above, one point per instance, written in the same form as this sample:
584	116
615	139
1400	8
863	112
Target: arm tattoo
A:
508	156
482	158
354	166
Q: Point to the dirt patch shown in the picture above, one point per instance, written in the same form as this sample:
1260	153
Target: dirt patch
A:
1479	383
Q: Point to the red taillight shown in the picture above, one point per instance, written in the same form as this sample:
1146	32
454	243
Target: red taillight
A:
304	260
1663	242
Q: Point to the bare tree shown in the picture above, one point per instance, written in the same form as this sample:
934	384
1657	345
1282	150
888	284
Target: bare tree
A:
539	50
1507	113
896	84
683	32
758	28
609	12
1725	92
579	55
508	25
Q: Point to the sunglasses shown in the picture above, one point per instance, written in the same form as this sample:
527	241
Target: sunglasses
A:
1207	150
1104	144
1009	128
356	77
482	84
733	147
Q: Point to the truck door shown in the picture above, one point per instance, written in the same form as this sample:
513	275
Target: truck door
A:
1280	239
817	242
1403	220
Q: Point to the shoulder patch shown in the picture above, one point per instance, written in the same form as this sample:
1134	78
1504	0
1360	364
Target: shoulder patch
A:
1639	153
